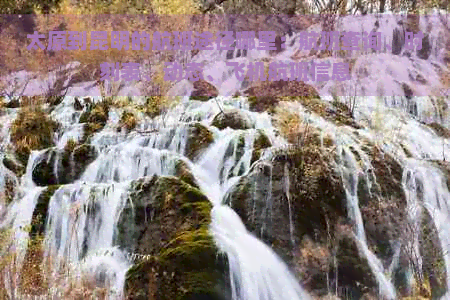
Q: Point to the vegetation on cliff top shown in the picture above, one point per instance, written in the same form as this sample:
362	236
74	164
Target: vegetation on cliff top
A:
32	130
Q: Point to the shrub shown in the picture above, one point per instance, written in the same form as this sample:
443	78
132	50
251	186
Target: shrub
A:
32	130
94	119
128	120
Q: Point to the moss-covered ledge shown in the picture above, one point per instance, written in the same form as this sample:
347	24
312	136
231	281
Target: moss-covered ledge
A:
199	138
185	260
70	164
33	280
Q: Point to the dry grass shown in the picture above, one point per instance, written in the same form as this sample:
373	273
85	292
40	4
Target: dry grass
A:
32	130
290	124
128	120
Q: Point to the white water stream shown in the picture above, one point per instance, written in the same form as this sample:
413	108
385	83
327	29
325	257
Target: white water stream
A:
81	235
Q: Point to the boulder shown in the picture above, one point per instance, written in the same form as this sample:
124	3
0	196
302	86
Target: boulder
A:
235	119
169	221
203	91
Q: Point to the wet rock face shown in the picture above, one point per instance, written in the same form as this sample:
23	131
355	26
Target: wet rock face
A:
199	139
63	167
433	257
261	142
383	206
296	204
169	220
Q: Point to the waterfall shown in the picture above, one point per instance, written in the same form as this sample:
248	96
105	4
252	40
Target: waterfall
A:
83	215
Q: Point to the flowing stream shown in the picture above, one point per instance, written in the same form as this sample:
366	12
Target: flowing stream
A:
82	216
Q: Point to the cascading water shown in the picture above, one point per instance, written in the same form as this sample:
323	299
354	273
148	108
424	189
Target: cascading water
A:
82	215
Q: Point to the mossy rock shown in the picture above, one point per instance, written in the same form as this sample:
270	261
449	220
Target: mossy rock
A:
40	213
14	103
239	198
84	117
353	268
198	140
9	189
440	130
155	105
13	165
185	257
383	207
183	172
433	257
72	162
32	130
233	119
77	104
237	148
261	142
313	207
32	274
54	100
343	115
43	173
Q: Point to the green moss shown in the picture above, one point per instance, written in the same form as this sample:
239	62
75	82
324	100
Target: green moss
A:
39	218
185	260
199	139
261	142
84	117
